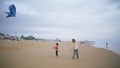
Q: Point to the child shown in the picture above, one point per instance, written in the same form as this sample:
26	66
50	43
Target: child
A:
56	49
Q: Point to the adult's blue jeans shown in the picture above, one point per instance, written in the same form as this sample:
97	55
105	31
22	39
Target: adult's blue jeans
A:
75	53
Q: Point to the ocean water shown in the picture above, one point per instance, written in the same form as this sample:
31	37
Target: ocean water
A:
113	46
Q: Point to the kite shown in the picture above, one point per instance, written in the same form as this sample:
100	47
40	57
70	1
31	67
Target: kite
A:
12	11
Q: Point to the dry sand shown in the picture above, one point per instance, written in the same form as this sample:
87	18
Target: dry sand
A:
36	54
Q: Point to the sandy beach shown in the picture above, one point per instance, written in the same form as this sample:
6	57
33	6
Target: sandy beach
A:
36	54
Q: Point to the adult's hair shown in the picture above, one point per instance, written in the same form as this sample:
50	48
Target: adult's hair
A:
73	40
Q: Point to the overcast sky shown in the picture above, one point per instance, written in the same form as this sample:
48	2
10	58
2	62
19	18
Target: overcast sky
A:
95	20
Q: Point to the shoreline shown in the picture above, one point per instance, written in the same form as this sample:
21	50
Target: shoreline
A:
112	47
